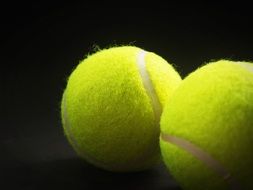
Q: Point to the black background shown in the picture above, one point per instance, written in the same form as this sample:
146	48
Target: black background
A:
43	42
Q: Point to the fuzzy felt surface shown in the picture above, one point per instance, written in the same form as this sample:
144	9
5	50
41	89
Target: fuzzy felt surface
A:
107	114
213	109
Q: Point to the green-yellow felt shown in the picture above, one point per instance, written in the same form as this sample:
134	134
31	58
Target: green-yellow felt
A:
112	104
207	128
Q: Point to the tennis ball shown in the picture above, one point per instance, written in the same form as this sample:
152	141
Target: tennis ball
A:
112	104
207	128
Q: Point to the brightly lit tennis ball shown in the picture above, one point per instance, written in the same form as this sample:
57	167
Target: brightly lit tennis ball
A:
112	104
207	128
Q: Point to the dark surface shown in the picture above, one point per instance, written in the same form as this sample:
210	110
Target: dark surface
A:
45	161
42	43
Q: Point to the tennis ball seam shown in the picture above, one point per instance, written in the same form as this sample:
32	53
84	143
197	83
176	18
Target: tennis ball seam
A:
203	156
147	83
245	66
150	91
70	135
73	140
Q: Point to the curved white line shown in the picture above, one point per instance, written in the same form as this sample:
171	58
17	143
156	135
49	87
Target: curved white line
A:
147	83
67	124
204	157
248	66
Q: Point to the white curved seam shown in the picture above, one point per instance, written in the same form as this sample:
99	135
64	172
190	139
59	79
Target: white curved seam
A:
67	124
204	157
247	66
73	140
147	83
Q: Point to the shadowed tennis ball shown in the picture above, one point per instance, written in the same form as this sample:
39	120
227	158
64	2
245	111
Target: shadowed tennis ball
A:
207	128
112	104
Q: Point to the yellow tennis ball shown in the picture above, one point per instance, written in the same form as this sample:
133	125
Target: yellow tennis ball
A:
207	128
112	104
